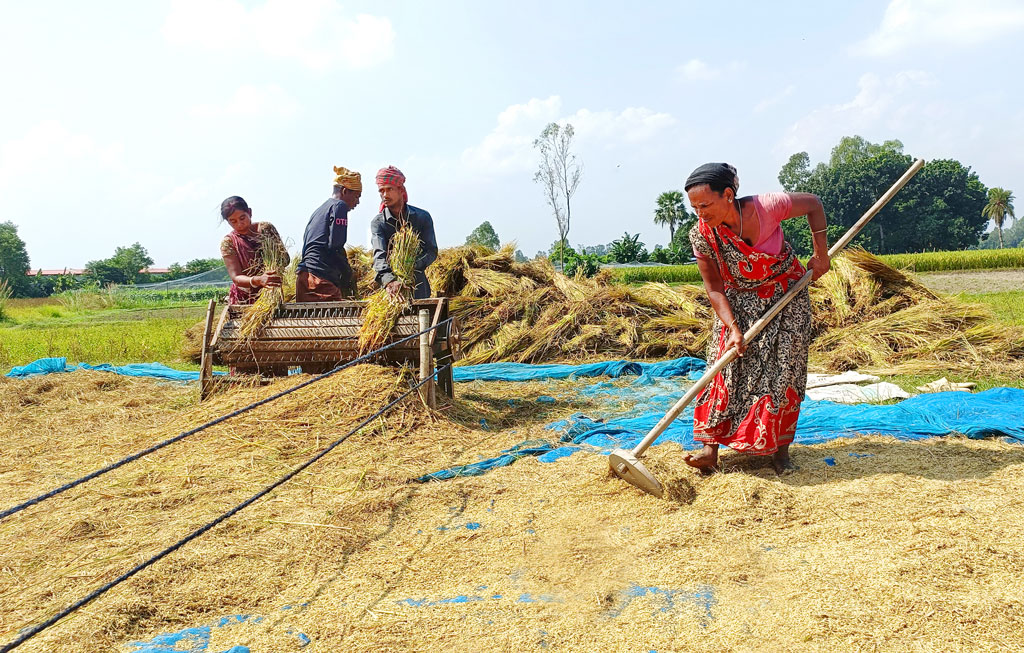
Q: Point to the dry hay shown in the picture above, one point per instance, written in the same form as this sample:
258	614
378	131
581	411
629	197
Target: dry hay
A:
192	343
871	316
899	546
360	260
258	314
383	308
867	315
527	312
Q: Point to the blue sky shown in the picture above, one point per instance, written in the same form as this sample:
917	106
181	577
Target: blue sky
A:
131	121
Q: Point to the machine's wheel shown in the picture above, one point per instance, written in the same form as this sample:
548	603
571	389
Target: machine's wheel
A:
455	339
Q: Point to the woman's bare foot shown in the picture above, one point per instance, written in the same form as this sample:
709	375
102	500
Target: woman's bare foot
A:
781	461
706	461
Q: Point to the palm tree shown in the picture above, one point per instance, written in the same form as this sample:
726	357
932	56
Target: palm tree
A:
671	211
1000	205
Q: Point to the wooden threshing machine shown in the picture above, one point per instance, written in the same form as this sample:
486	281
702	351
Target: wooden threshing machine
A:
317	336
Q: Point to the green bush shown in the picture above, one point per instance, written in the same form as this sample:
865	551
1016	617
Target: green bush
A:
585	264
93	298
133	298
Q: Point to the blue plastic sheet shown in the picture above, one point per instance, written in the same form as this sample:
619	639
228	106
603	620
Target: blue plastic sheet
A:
993	413
998	412
58	365
689	367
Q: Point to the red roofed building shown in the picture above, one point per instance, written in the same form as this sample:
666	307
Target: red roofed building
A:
75	272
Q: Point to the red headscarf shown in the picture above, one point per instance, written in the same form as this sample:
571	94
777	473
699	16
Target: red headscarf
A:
392	176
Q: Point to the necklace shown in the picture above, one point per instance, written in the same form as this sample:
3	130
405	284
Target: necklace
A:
739	209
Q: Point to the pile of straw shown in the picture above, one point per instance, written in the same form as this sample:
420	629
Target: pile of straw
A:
382	308
871	316
866	315
528	312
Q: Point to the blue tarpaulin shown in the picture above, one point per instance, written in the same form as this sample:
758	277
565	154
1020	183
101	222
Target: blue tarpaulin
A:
55	365
689	367
998	412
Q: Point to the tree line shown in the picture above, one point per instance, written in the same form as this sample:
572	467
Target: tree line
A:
124	267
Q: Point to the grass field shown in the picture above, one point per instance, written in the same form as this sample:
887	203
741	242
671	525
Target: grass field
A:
47	328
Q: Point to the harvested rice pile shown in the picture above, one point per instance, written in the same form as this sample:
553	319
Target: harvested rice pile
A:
868	315
895	546
527	312
871	316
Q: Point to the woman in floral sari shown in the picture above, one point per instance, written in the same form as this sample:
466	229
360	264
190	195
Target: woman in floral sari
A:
242	252
753	404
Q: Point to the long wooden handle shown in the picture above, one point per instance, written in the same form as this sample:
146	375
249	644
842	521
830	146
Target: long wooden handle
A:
758	326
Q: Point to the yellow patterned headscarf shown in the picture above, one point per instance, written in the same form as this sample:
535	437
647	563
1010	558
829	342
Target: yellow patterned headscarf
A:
347	179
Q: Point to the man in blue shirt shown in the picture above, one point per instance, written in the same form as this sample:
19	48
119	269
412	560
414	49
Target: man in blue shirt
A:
395	208
324	273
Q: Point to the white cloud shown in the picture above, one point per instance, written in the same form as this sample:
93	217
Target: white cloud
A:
260	101
631	125
509	146
909	24
317	33
895	104
696	70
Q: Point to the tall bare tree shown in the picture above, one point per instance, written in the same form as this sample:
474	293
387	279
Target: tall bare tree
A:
559	174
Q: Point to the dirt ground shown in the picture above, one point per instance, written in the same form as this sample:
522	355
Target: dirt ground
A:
873	544
974	281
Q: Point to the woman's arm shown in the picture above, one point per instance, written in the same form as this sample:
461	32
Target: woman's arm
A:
810	205
243	280
715	288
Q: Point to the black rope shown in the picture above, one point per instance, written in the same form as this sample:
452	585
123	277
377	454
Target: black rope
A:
223	418
35	630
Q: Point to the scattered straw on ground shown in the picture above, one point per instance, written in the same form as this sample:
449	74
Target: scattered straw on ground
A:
894	546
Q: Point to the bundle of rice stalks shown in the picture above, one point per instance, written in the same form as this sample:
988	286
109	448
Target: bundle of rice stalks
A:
360	260
383	309
275	259
289	276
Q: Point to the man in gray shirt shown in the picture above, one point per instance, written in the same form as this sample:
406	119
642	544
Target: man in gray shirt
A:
394	211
